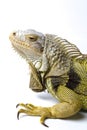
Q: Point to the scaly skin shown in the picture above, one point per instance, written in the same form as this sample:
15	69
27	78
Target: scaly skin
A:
56	65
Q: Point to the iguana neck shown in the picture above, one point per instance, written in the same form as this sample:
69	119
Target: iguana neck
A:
58	54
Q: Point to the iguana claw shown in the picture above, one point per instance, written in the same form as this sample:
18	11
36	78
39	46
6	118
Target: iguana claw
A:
32	110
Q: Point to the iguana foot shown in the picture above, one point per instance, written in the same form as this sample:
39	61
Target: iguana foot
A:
32	110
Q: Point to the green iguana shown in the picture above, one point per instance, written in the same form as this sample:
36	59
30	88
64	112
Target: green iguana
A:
56	65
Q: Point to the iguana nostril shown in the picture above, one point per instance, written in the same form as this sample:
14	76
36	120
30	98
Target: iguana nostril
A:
14	33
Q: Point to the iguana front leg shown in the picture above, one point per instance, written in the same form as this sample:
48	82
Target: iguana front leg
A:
70	104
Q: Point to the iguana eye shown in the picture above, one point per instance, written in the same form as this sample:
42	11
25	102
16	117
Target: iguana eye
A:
32	38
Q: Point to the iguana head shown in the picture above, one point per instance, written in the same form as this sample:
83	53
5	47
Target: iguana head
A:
29	44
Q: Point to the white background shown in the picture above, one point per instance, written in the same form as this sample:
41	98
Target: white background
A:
66	18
